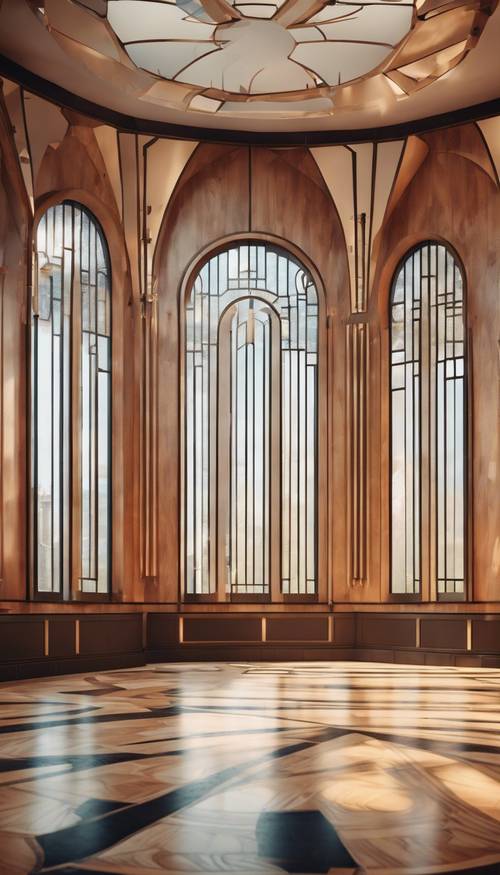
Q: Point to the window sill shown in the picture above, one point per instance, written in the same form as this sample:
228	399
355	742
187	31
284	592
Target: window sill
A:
251	599
451	597
404	598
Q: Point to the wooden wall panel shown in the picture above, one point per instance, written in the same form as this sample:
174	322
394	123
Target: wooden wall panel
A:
450	198
344	630
15	224
61	638
486	635
385	631
225	191
21	638
297	628
162	630
223	629
110	634
54	644
445	634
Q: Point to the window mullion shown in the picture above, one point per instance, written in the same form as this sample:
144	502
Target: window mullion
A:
76	408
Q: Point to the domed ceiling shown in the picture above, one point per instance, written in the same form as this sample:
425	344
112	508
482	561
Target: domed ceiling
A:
261	64
289	50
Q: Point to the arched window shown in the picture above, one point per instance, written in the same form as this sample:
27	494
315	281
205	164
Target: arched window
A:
250	425
428	424
71	405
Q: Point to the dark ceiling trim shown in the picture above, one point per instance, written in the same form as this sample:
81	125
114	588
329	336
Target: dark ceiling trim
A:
57	94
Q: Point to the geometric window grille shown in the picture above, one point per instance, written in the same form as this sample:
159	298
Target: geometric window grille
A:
250	425
428	424
71	404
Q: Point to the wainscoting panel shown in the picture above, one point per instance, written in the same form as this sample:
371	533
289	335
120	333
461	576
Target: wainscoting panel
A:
224	629
443	633
377	630
47	644
297	628
486	634
111	633
162	630
344	630
61	637
34	646
21	638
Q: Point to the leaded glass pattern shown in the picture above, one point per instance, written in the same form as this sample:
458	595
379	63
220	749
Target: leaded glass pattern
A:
250	413
428	423
405	428
71	403
250	447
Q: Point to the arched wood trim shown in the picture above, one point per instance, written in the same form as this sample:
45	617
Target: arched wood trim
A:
400	256
123	394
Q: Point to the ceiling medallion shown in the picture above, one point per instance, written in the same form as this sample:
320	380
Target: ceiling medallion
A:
283	58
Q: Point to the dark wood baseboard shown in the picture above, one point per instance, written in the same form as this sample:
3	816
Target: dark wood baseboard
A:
250	653
17	671
465	659
268	653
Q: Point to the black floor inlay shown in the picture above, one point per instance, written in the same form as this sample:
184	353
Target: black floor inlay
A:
76	870
301	841
488	869
93	835
97	807
94	691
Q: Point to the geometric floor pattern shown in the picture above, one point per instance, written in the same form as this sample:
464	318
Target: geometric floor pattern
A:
252	769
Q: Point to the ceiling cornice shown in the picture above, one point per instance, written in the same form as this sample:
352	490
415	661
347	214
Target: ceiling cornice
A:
131	124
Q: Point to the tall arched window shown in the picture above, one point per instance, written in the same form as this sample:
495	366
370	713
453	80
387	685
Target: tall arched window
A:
71	405
428	424
250	425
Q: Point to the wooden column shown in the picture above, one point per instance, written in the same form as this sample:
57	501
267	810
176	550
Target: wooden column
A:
149	376
149	437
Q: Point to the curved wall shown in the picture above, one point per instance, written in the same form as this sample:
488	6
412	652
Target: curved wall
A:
352	212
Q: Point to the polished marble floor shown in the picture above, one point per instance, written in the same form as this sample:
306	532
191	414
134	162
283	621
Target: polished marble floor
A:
252	769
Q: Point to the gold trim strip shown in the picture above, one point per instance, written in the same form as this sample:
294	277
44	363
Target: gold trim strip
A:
358	358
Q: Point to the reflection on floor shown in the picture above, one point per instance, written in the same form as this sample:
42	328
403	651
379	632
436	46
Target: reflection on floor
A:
252	769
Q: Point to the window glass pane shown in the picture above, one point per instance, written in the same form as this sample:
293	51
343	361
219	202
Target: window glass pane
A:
250	371
248	529
74	307
405	427
50	401
427	363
